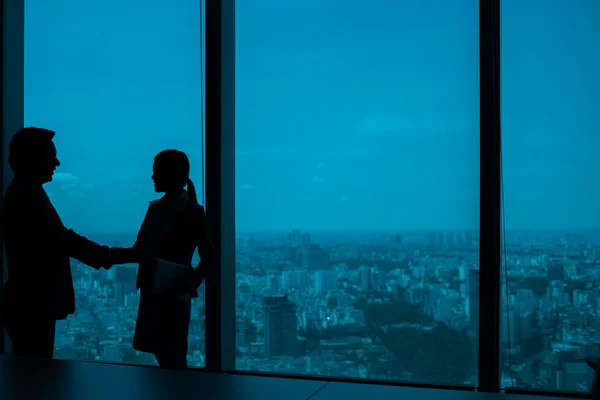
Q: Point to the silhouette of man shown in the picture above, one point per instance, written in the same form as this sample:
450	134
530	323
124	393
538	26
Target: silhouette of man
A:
39	290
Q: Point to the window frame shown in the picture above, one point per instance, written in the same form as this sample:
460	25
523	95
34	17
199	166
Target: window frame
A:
220	182
12	17
490	197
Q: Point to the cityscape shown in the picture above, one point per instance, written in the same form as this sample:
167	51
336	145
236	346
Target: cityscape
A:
346	118
385	306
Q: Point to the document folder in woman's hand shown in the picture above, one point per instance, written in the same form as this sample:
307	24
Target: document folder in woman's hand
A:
167	272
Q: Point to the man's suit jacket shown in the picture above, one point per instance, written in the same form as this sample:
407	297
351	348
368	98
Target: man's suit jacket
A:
38	247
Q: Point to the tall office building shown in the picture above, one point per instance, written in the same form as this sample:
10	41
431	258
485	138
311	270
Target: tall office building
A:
379	281
280	327
431	239
314	258
468	239
294	279
474	301
397	240
305	239
439	239
326	281
272	283
240	330
556	271
366	280
525	300
125	282
459	239
294	237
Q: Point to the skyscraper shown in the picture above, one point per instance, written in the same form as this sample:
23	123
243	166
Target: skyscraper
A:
315	258
556	271
325	281
366	281
272	283
397	240
240	330
280	327
293	279
125	282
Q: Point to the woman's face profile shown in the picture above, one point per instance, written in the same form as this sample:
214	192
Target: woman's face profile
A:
161	181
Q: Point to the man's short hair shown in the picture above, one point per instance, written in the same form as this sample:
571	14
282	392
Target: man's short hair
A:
27	147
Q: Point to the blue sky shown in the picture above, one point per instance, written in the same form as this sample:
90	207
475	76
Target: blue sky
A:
348	117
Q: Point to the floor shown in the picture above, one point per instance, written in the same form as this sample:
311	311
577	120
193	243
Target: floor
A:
72	380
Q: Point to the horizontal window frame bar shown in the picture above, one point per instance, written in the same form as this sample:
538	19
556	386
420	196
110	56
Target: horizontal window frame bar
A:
375	382
547	393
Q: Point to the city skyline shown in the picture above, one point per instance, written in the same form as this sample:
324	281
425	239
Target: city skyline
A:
357	149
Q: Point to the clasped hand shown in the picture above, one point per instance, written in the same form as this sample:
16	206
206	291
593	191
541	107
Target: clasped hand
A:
109	261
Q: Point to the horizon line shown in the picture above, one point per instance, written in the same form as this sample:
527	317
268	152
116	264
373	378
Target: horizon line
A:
373	231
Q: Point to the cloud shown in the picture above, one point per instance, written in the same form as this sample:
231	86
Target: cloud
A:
70	182
64	177
248	186
317	179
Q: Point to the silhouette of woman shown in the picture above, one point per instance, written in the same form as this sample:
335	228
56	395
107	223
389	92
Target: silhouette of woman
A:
173	228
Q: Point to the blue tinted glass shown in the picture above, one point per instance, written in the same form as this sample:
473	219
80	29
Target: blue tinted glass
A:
550	296
357	188
118	81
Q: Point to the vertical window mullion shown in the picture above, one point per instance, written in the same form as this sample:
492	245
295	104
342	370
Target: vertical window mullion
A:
490	201
213	176
12	103
220	181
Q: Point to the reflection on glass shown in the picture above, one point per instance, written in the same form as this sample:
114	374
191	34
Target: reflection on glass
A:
119	82
551	290
357	173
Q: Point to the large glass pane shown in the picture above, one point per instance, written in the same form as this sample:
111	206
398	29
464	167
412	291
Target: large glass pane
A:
118	81
357	188
551	290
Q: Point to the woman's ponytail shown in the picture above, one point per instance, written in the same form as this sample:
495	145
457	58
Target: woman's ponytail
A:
191	190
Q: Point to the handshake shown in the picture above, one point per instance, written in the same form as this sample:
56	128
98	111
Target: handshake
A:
111	256
167	280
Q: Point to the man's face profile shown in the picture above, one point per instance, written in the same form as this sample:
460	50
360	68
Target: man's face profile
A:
48	162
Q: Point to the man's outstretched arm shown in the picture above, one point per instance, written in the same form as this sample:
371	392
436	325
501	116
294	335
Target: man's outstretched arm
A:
81	248
96	255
